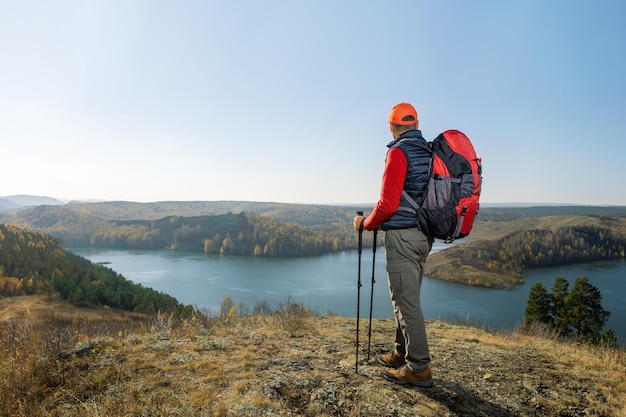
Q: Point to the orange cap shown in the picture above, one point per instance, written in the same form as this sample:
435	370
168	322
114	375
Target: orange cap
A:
400	111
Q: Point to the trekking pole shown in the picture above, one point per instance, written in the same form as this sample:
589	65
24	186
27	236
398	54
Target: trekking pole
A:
358	297
369	331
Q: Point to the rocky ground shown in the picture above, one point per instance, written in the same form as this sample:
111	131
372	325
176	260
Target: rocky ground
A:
297	364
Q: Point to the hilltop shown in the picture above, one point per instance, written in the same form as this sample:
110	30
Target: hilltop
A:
59	359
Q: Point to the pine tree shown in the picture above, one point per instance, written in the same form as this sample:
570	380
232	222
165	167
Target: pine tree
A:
538	307
576	313
560	312
586	315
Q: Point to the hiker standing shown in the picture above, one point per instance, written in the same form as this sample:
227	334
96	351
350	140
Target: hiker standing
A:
406	247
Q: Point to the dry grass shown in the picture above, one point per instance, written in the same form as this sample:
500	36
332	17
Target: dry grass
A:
57	360
496	229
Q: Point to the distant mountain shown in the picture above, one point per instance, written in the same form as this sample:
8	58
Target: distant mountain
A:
13	202
6	205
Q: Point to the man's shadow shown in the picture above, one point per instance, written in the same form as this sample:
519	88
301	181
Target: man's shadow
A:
463	402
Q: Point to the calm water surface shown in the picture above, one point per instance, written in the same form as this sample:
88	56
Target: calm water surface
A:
327	284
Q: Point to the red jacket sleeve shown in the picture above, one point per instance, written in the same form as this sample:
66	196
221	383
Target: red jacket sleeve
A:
391	189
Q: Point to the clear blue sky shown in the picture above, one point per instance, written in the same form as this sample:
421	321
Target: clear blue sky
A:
287	101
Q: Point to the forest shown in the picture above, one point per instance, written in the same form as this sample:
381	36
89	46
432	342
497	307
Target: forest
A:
246	234
235	234
501	262
33	263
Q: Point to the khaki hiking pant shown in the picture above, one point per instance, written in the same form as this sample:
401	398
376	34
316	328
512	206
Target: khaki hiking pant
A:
406	251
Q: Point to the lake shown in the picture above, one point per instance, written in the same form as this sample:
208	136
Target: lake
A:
328	284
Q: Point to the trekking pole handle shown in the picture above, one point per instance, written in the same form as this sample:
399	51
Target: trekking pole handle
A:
360	213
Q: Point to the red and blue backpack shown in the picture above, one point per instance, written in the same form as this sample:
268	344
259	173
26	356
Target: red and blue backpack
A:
451	202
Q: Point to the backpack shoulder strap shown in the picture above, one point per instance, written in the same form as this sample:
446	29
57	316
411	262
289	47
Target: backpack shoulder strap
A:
414	209
428	145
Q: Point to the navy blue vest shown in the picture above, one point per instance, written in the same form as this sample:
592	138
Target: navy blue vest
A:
418	159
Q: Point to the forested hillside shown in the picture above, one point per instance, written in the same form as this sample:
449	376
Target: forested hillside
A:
500	262
335	221
33	263
238	234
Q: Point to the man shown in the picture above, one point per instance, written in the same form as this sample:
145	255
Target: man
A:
406	171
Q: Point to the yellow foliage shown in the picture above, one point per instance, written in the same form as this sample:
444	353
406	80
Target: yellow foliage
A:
10	286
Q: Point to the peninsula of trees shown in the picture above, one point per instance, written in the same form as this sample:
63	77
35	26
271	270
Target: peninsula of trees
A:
33	263
504	249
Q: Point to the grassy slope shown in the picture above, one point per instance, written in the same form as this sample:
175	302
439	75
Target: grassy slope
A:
291	363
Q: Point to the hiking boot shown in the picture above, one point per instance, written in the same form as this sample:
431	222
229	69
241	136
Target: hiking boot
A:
405	375
391	359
